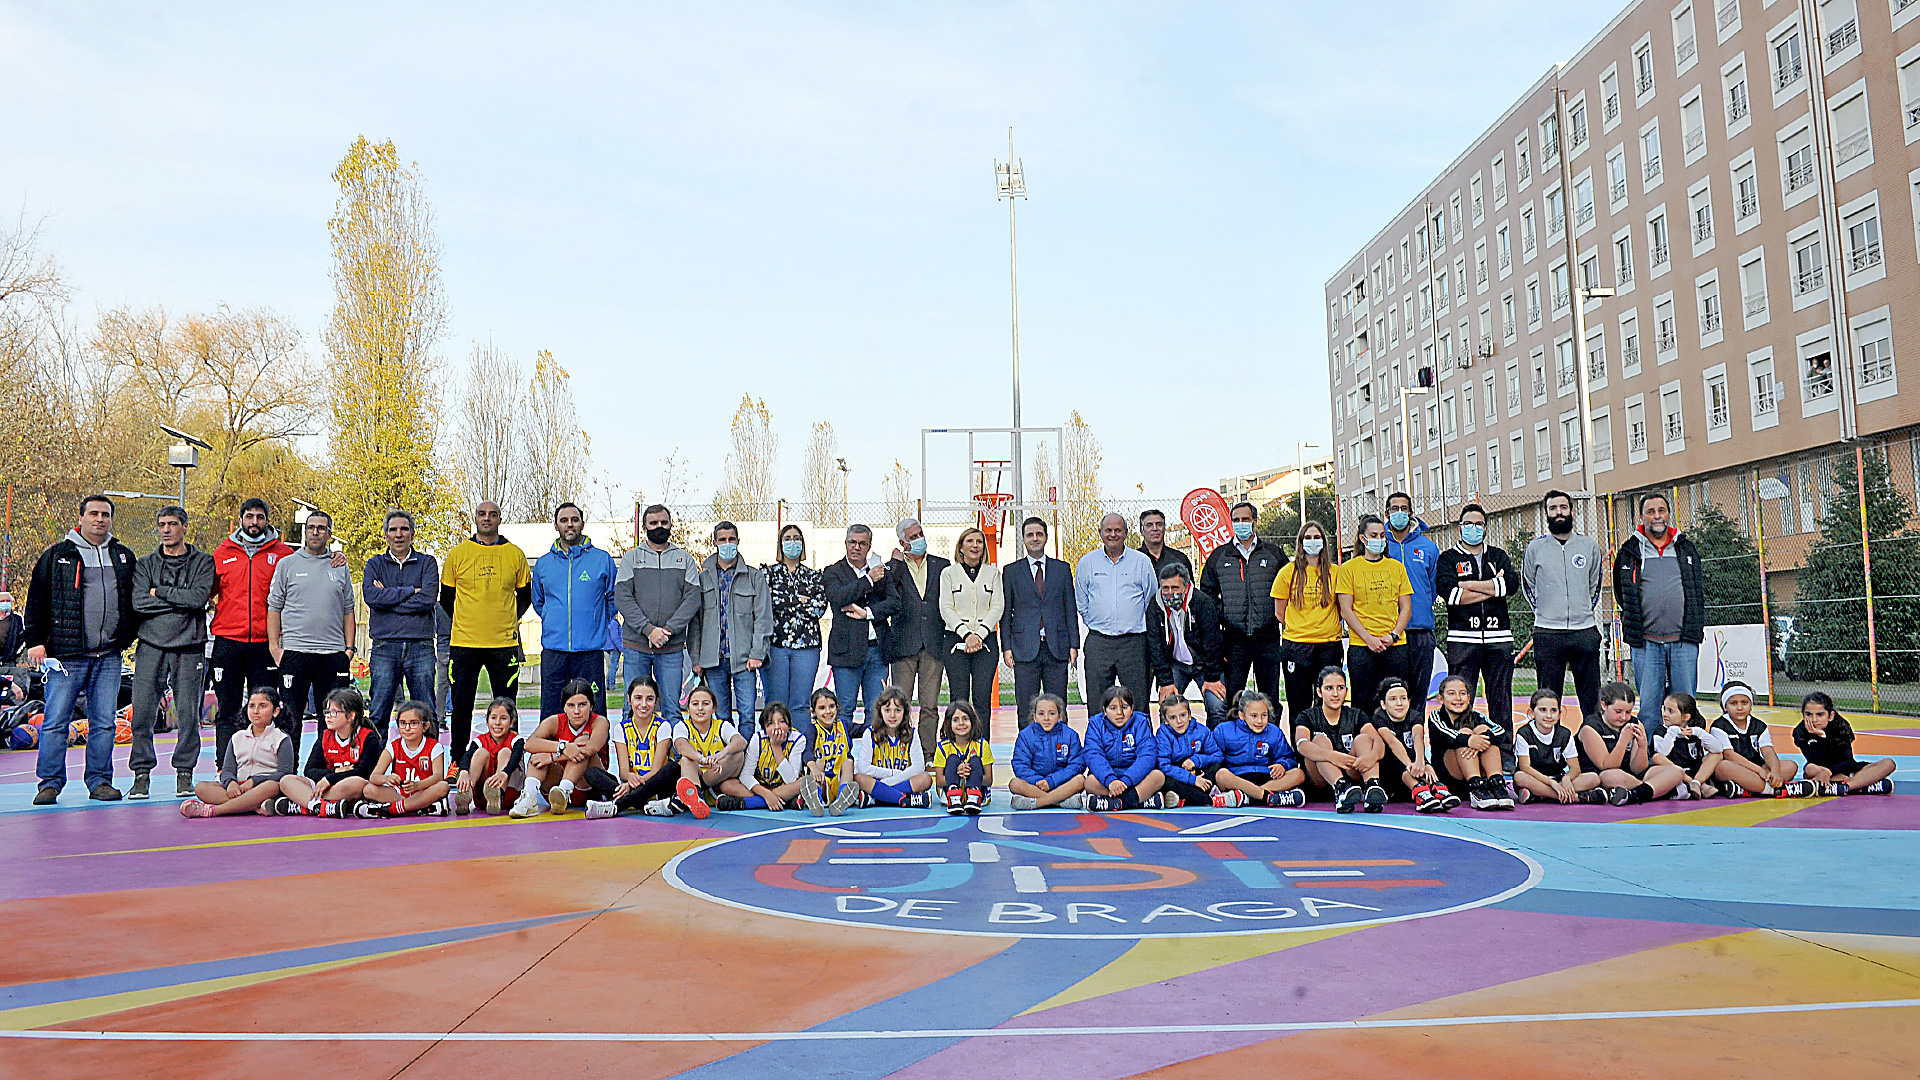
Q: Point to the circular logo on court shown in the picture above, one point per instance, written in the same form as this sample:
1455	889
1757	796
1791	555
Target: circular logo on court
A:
1069	874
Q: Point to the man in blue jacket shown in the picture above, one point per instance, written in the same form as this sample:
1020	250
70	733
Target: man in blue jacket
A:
1407	541
573	592
402	589
1123	758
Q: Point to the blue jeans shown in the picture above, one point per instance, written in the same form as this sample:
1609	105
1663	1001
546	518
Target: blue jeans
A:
864	682
392	663
788	677
1661	668
669	669
99	676
733	695
1185	675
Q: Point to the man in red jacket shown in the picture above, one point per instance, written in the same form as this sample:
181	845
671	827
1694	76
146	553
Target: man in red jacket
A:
242	573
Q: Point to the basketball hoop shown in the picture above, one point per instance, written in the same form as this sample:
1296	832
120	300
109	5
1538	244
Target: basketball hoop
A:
990	501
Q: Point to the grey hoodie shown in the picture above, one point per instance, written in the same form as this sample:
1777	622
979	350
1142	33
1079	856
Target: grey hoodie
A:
170	594
101	593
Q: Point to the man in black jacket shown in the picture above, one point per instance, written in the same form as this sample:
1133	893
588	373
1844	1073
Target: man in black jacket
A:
1475	578
1183	642
1662	598
79	617
1239	575
1040	629
171	588
914	649
857	595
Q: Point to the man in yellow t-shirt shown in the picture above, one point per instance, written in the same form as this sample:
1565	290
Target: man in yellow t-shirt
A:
485	586
1309	616
1376	600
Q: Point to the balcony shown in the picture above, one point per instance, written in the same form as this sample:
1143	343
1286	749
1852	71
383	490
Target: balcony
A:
1809	280
1570	455
1747	206
1630	355
1566	376
1719	417
1645	82
1756	305
1765	402
1533	313
1842	36
1853	145
1476	208
1618	190
1500	192
1913	115
1637	439
1583	214
1787	75
1612	108
1513	400
1799	176
1737	107
1876	369
1675	430
1684	51
1668	339
1862	258
1660	254
1624	275
1651	171
1696	139
1710	322
1727	15
1703	230
1818	384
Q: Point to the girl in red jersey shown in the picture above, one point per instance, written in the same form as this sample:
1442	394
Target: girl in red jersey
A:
343	757
411	775
494	766
561	750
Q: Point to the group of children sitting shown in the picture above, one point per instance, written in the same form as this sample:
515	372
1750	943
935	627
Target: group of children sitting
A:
701	763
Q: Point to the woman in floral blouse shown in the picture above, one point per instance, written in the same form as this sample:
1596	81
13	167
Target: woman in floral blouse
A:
799	601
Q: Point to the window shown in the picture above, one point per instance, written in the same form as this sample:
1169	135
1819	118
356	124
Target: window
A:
1765	392
1439	229
1643	70
1851	137
1809	269
1426	303
1596	358
1602	440
1505	243
1910	96
1636	430
1533	302
1442	300
1650	154
1517	458
1739	107
1629	346
1684	50
1467	414
1673	429
1513	387
1609	98
1873	346
1539	376
1583	200
1473	472
1590	271
1577	125
1499	171
1549	137
1449	417
1708	295
1566	374
1569	443
1508	324
1543	451
1480	263
1522	164
1426	249
1746	195
1862	230
1787	66
1479	209
1657	239
1817	376
1837	18
1493	467
1719	405
1753	288
1487	396
1562	295
1617	176
1666	338
1527	236
1693	127
1727	18
1457	219
1623	259
1700	207
1797	167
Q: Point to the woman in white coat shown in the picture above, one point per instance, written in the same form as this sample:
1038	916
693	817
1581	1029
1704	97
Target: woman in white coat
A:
971	603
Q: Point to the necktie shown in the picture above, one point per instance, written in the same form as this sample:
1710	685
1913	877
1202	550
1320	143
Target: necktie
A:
1040	578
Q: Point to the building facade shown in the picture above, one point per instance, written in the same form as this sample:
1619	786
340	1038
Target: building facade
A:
1743	175
1271	485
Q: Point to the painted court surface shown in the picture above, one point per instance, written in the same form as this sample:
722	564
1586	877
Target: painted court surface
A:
1770	937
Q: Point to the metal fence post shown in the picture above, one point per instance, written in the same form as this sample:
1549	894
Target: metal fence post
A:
1866	567
1766	614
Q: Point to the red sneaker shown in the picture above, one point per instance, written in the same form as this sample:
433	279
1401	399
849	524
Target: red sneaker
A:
689	793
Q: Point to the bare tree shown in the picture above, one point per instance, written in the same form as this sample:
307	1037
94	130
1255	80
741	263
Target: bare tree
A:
897	491
553	448
485	434
823	491
746	492
1080	511
1046	476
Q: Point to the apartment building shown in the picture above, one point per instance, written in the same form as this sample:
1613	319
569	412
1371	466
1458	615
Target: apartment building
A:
1270	485
1743	175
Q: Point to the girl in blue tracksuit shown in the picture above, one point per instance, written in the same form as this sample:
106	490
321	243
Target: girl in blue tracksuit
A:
1257	765
1188	756
1048	762
1123	756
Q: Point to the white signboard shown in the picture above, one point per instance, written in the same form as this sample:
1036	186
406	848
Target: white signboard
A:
1734	653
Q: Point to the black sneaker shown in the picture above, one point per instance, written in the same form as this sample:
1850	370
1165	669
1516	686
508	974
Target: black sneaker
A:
1879	787
1731	790
1619	796
1375	798
729	802
105	793
1499	792
1448	800
183	784
1346	798
45	796
282	807
138	789
1477	794
1594	797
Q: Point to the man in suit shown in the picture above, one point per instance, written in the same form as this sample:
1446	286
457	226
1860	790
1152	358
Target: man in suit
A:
1040	631
1183	641
915	632
858	596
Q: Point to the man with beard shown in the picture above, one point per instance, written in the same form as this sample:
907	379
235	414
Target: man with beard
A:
1562	573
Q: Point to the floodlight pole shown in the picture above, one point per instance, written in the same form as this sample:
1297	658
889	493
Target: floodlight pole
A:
1010	183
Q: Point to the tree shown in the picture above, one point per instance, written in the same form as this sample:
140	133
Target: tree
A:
1280	519
1830	617
1730	567
1080	511
1045	475
387	315
485	437
746	491
823	484
1519	612
896	489
553	449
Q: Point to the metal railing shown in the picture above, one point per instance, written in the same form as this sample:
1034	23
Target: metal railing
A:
1570	455
1624	275
1645	82
1719	416
1555	223
1476	208
1618	190
1710	322
1756	305
1854	145
1747	206
1737	107
1675	431
1787	75
1877	368
1583	213
1637	438
1703	229
1500	192
1513	400
1652	167
1523	170
1566	375
1809	280
1684	51
1612	107
1630	355
1668	338
1864	257
1727	15
1799	176
1533	313
1596	365
1659	254
1765	401
1696	139
1818	384
1913	114
1506	261
1842	36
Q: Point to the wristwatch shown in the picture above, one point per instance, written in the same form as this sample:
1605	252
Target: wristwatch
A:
563	746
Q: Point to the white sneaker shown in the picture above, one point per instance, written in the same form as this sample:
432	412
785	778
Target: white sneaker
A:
601	808
1076	801
657	808
843	798
528	804
1026	802
810	798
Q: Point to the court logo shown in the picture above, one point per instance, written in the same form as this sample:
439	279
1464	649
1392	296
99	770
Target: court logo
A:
1075	875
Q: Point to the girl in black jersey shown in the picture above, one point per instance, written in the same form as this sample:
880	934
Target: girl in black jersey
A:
1825	737
1614	745
343	757
1750	766
1337	747
1404	734
1549	765
1689	743
1473	745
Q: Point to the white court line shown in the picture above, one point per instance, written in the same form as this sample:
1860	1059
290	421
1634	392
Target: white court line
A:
881	862
899	840
1217	826
1324	873
822	1035
1189	839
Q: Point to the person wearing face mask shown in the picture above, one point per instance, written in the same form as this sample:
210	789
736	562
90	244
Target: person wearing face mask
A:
1309	616
657	591
1562	573
13	640
1183	642
916	644
799	600
1376	600
573	593
485	586
1407	541
1240	576
1475	578
730	638
1658	587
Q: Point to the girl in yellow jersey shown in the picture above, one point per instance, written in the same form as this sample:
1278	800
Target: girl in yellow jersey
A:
772	774
887	760
963	760
712	753
828	759
641	753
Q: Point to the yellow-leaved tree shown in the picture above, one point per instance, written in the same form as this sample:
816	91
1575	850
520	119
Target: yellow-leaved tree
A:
388	313
1080	511
746	491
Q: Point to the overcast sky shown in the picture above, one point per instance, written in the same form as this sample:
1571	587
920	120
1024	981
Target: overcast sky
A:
687	202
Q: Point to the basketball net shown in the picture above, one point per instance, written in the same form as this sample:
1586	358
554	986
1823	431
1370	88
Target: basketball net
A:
990	500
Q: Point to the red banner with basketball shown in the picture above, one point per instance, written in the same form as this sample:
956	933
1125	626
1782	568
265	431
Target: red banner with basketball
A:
1204	513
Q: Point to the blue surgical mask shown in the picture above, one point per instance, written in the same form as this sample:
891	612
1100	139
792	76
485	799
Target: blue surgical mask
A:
1313	545
791	548
1376	545
1243	530
1473	534
1399	519
729	551
918	546
6	607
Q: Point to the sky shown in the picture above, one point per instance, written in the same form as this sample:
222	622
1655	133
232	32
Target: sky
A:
690	202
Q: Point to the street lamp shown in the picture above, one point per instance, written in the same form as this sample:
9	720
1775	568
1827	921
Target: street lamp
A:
1010	183
136	495
305	508
1300	450
184	455
844	484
